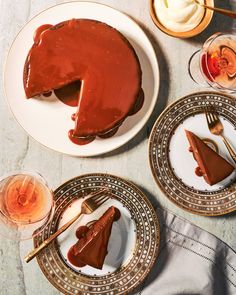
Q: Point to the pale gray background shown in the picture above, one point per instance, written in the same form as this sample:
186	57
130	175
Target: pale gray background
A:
18	151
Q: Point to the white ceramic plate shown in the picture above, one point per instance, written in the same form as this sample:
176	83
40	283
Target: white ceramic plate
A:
173	166
183	162
133	244
121	244
49	122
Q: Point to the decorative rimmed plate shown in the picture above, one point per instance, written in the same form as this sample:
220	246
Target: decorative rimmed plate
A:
132	248
48	122
173	166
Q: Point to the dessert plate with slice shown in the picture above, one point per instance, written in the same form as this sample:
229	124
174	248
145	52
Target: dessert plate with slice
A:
112	58
124	231
190	164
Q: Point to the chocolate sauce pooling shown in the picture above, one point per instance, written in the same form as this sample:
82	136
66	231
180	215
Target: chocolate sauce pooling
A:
198	171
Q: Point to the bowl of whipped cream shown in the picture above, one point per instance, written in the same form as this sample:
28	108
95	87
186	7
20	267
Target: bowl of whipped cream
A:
181	18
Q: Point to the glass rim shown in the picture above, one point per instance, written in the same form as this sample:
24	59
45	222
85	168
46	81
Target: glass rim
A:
37	175
204	50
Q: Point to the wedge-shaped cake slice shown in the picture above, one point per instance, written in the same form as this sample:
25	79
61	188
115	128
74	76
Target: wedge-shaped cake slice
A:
212	166
92	248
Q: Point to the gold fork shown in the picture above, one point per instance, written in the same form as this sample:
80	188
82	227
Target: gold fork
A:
216	128
88	206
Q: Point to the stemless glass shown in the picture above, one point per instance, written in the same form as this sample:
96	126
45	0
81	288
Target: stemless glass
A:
214	64
26	205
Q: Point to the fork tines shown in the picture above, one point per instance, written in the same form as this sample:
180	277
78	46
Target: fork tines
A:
100	191
100	196
102	200
211	115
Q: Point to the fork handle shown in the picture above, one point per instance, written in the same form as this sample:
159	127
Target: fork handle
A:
229	148
46	242
226	12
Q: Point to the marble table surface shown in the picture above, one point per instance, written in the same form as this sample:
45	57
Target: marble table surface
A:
19	151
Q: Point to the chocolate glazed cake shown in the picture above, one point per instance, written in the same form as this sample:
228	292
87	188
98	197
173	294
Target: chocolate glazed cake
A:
102	60
91	248
211	166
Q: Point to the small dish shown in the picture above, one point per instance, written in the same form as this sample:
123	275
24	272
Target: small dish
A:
133	245
197	30
173	166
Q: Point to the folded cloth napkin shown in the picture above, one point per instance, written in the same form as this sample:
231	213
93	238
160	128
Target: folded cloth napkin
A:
191	261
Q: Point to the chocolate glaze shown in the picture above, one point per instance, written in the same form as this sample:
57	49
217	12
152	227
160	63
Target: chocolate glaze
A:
198	171
110	133
47	94
80	140
70	101
138	103
73	117
190	149
39	31
81	231
73	258
95	54
117	214
91	247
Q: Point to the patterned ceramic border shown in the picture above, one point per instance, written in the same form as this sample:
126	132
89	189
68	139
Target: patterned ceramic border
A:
128	276
199	202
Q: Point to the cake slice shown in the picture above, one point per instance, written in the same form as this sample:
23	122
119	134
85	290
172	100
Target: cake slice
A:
91	249
212	166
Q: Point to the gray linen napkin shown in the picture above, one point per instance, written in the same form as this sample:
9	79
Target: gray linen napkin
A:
191	261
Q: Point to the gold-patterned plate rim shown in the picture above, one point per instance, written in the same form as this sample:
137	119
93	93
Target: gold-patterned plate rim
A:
128	276
208	203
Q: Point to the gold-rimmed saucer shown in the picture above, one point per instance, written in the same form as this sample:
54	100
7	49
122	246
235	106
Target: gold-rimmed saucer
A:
197	30
173	165
142	224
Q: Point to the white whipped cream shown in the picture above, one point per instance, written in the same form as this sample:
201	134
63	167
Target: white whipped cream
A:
179	15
